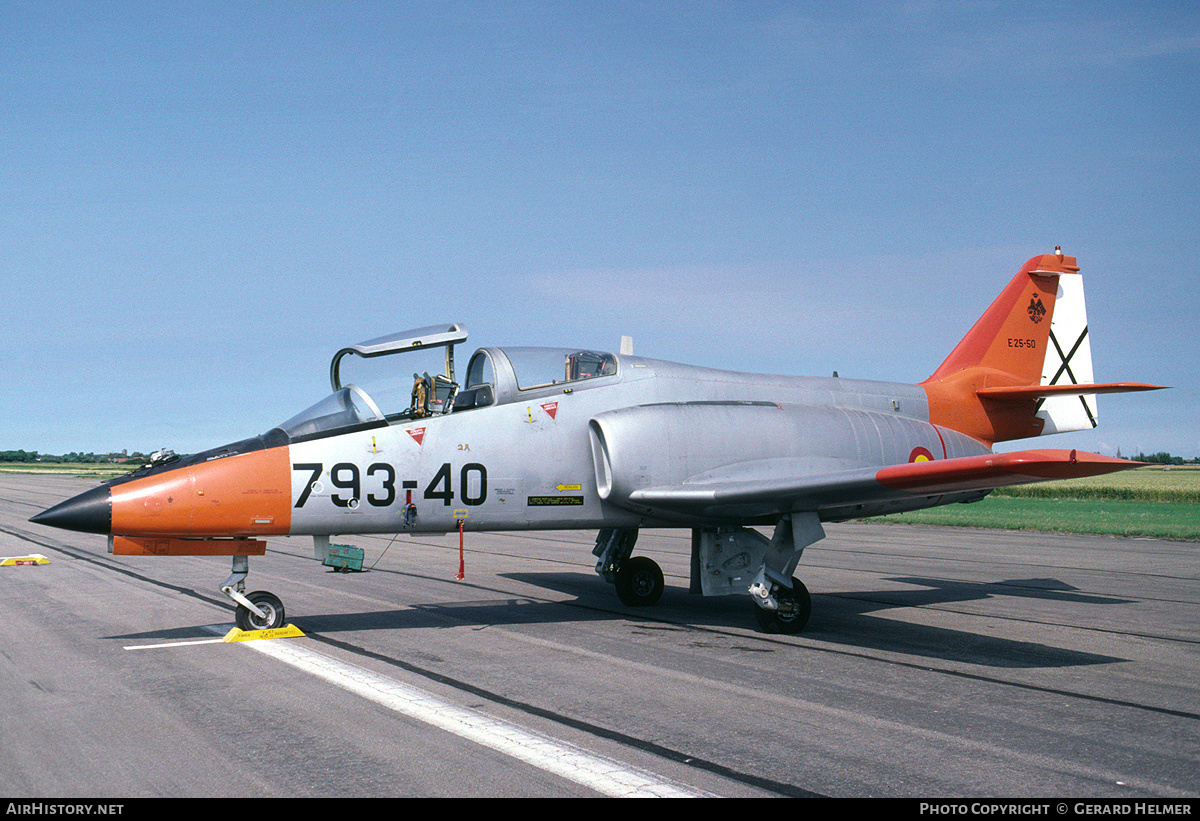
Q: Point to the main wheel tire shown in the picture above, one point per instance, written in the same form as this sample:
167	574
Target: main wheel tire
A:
639	582
796	607
268	603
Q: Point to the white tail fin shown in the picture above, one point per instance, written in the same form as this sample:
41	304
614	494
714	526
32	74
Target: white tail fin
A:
1068	361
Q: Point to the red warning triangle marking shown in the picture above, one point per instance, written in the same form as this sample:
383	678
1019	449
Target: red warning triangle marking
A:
416	433
550	408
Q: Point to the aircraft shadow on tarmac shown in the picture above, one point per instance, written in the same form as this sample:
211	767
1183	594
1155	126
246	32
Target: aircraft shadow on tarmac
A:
845	618
840	619
191	632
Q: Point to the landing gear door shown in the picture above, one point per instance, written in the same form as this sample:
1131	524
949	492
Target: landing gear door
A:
726	560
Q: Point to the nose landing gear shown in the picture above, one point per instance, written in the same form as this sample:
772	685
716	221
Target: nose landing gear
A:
259	610
266	603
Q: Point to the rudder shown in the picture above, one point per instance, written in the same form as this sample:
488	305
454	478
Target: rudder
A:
1068	361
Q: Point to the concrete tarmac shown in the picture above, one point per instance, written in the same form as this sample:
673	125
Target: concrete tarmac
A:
938	663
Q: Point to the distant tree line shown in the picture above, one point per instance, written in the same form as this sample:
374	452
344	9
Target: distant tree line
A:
72	457
1164	458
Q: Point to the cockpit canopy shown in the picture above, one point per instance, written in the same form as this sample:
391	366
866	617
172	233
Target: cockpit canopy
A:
379	396
539	367
347	408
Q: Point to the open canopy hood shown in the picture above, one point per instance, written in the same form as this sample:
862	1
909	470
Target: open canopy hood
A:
432	336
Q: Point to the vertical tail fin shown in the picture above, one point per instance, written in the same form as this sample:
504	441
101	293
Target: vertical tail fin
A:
1023	368
1068	361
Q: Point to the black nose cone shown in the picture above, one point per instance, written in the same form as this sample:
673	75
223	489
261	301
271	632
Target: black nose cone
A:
89	512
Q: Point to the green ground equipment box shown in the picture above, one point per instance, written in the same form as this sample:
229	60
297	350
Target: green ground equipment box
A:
344	557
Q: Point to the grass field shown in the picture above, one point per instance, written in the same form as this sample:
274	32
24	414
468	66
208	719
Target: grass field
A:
1154	484
1158	502
99	470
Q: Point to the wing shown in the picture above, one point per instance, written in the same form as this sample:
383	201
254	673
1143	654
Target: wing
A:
844	490
995	470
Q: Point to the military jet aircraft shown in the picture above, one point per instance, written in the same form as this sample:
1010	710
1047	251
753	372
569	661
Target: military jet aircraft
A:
536	438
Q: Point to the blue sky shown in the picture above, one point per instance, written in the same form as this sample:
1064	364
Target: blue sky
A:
204	201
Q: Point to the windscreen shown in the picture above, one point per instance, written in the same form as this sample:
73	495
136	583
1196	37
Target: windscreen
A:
346	408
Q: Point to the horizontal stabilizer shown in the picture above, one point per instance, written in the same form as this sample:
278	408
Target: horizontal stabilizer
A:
1043	391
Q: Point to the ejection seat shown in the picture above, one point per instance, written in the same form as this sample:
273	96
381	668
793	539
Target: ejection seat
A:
432	395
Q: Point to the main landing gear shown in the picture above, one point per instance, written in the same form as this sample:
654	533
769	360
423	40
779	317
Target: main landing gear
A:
783	604
724	562
639	580
259	610
780	610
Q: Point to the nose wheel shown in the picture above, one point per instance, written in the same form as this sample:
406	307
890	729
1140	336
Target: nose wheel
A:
259	610
268	604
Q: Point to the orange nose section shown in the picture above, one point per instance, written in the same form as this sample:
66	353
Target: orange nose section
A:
245	495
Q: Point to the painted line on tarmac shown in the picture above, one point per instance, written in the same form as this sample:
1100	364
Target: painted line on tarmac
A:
171	644
604	775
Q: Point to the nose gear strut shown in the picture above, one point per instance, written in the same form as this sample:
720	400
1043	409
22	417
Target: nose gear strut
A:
259	610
